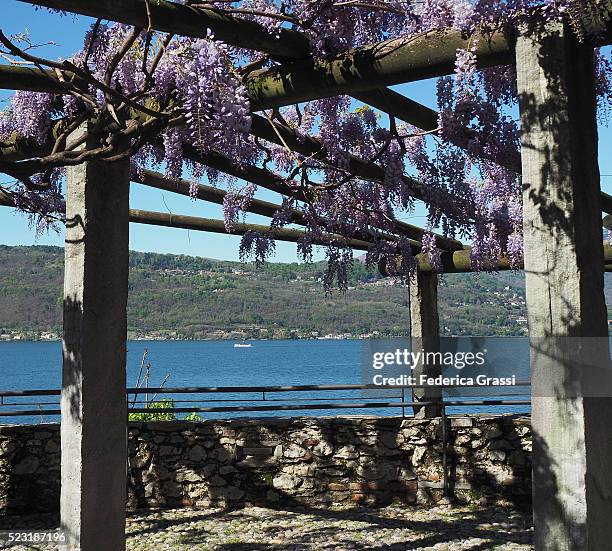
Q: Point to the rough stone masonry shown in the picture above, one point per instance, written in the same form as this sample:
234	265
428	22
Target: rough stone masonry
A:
313	462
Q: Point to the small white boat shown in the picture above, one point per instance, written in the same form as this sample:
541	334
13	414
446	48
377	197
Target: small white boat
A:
242	345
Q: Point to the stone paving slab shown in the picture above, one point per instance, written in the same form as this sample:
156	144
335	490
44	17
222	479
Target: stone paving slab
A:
394	528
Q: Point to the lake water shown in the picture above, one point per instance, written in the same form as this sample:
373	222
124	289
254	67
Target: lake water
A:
37	365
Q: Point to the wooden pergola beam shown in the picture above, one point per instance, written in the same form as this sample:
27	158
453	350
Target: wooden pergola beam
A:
215	195
157	180
218	226
453	262
459	262
175	18
151	178
311	147
269	180
399	60
400	106
5	200
17	77
425	118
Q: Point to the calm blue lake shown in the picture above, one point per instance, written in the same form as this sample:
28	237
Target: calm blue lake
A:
37	365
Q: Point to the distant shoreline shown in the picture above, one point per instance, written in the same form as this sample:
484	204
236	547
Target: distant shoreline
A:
229	339
253	339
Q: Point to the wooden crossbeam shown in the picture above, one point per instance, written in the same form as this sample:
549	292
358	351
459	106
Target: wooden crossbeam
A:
5	200
175	18
273	182
211	194
395	61
459	262
217	196
311	147
218	226
453	262
400	106
17	77
257	206
423	117
404	59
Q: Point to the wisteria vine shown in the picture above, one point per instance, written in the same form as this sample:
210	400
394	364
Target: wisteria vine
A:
154	97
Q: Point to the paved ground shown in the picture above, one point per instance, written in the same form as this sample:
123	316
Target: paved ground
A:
259	529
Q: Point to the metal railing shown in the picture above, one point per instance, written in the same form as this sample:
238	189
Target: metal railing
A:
257	399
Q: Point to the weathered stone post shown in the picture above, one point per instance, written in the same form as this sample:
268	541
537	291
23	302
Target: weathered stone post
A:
93	424
572	448
425	335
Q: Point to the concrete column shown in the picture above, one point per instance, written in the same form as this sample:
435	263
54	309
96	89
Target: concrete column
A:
572	448
94	410
425	335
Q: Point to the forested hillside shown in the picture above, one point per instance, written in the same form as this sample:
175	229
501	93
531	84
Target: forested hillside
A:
175	296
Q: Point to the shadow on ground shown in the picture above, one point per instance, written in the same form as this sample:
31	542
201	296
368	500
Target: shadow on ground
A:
300	529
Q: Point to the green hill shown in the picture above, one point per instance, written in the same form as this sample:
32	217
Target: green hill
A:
174	296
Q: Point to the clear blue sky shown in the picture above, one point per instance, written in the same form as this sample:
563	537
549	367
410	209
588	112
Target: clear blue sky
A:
68	32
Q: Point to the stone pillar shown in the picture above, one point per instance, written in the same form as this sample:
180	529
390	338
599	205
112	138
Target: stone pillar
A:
93	403
572	448
425	335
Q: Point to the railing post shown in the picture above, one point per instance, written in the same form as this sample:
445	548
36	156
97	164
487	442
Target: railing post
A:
444	429
572	443
425	335
93	402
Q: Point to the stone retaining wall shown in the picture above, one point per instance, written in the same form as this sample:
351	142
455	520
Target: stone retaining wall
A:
305	461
